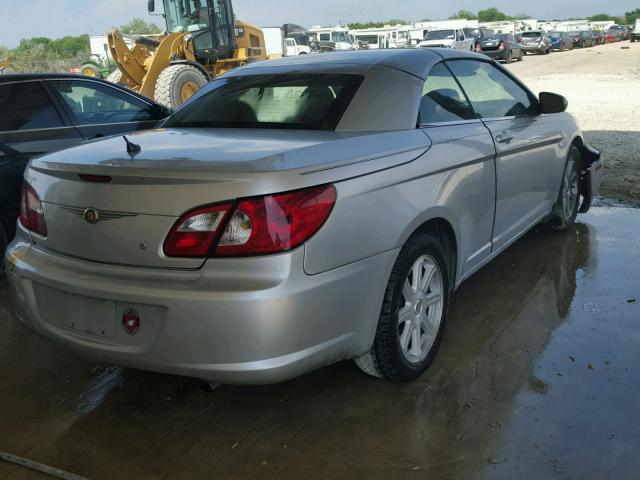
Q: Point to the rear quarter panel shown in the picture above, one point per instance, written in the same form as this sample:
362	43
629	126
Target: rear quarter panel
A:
454	180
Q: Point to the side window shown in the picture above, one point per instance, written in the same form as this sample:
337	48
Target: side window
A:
26	106
492	93
94	104
442	100
325	37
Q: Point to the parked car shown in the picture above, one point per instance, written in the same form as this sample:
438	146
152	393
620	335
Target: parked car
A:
621	31
617	32
501	47
42	113
478	34
583	39
598	37
561	41
609	37
535	41
293	213
454	38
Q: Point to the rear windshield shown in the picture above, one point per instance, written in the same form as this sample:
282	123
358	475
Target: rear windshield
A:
440	35
309	102
531	34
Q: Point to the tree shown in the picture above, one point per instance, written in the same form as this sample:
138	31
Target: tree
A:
492	15
362	25
600	17
468	14
630	17
138	26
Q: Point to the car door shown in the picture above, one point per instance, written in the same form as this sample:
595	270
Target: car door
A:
526	146
30	125
461	142
100	110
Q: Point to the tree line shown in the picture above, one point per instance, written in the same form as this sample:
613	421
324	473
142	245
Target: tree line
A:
42	54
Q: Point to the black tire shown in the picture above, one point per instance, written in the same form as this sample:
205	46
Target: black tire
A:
386	359
173	80
562	219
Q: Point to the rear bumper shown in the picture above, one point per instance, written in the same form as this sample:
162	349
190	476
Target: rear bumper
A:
592	176
497	54
242	321
535	48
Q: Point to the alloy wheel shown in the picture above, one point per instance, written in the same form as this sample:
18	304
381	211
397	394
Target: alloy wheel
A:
421	308
570	189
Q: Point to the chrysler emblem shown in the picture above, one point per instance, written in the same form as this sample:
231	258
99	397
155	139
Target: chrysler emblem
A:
91	215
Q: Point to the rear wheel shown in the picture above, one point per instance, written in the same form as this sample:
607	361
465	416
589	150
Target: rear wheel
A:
177	84
413	313
566	208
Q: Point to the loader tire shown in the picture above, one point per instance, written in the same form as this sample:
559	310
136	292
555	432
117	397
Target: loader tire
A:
177	83
115	77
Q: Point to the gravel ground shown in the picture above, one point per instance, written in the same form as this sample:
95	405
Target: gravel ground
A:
602	85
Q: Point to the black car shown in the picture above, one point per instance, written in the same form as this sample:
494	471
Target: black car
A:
41	113
584	39
501	46
478	34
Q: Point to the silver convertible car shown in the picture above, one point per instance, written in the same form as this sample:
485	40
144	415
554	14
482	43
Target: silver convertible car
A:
296	213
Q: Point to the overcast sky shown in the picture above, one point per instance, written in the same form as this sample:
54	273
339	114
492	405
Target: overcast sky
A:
56	18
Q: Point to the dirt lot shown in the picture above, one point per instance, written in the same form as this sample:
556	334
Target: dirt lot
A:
602	85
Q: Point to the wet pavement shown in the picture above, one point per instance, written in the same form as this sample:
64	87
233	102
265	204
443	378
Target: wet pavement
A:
538	377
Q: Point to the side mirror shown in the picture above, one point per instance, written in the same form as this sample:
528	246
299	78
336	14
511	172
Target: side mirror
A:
151	6
552	103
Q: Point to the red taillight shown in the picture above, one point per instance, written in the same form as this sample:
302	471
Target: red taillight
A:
276	223
256	226
502	46
31	212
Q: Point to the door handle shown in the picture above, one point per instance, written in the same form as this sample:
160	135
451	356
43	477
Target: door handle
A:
504	137
99	135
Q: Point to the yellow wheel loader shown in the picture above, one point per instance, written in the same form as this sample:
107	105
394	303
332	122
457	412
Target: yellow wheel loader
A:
5	66
202	41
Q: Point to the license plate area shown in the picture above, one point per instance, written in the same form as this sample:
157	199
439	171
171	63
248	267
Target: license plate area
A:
81	315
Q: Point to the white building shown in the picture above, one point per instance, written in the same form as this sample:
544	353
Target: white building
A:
511	27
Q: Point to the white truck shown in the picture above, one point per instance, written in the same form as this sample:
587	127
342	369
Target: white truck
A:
277	45
635	33
449	38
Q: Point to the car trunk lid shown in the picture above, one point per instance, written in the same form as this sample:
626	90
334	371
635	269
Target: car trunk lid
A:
106	205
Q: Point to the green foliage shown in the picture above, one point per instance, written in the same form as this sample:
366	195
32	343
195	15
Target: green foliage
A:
138	26
41	54
630	17
492	15
462	14
361	25
600	17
